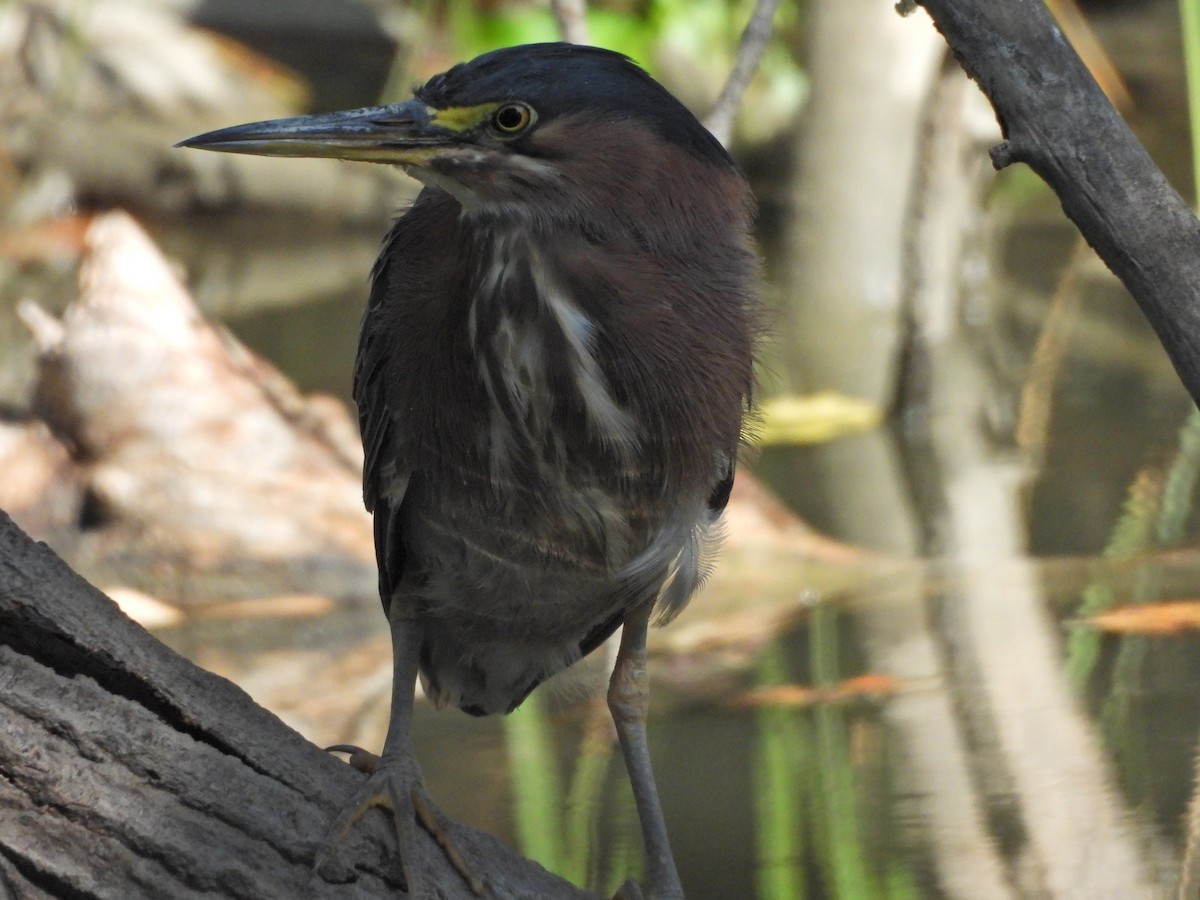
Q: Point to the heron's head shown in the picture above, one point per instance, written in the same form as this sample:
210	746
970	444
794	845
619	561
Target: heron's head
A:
544	132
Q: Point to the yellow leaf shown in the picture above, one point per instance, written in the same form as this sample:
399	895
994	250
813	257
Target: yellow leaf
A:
815	418
1149	618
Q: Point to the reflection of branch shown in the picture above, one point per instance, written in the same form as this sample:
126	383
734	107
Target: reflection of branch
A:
571	16
1037	395
1189	871
754	40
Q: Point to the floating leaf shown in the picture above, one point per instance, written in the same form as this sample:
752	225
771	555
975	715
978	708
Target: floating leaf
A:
815	418
800	695
1174	617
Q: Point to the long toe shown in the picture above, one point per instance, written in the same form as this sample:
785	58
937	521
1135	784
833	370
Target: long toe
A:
363	760
396	787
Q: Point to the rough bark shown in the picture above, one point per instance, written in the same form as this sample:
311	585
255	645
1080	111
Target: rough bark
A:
1056	119
129	772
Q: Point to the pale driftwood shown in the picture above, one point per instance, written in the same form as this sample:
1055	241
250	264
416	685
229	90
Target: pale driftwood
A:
194	449
129	772
41	485
1057	120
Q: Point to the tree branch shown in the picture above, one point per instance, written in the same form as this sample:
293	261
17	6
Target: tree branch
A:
571	16
750	50
1057	120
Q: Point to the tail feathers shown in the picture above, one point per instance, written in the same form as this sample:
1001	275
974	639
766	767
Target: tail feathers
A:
675	564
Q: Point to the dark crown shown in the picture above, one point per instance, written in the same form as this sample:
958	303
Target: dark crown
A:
562	79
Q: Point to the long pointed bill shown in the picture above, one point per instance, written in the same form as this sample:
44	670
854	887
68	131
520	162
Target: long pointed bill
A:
401	133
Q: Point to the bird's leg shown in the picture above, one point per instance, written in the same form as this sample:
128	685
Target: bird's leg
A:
394	780
629	702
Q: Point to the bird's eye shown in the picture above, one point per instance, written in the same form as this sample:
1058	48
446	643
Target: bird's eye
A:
512	118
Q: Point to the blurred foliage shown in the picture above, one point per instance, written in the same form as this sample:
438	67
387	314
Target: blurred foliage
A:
821	783
1020	188
536	782
688	44
783	764
1112	670
1189	11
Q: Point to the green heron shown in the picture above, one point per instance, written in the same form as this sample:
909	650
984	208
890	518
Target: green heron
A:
554	367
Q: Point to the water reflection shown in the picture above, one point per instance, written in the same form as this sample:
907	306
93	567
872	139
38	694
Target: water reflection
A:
963	766
917	737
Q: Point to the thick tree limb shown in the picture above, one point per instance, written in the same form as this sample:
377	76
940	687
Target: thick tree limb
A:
1056	119
126	771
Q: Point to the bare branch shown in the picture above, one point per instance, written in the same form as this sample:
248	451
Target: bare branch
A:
571	16
750	50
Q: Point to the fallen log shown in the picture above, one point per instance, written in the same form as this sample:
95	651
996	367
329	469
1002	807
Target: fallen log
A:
129	772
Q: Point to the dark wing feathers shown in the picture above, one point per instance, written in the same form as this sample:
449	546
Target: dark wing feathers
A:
383	480
415	281
375	422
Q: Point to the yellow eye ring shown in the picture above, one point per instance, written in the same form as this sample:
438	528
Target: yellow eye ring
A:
512	118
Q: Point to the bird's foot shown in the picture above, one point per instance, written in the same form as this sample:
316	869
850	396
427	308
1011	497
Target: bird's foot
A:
396	785
358	758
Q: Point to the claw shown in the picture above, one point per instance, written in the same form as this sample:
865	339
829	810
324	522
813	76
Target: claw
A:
363	760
